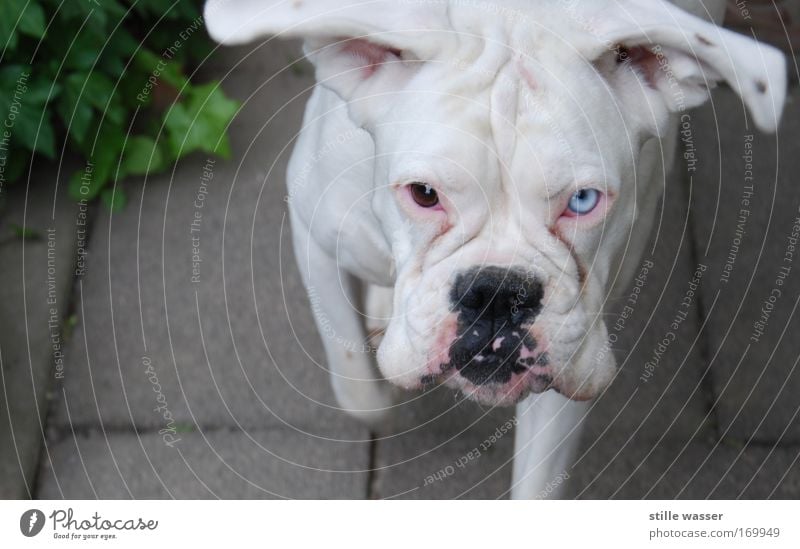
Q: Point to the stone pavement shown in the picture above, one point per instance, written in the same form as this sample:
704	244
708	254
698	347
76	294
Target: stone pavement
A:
35	279
204	376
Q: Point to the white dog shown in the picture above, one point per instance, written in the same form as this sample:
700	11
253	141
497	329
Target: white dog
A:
488	171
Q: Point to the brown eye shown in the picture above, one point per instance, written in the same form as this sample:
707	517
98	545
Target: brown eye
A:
424	195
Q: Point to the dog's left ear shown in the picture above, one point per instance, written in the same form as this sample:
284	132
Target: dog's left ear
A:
359	49
680	56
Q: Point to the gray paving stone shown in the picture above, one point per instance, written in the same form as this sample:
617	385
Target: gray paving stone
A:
712	10
228	464
699	470
36	276
757	382
237	348
440	447
657	393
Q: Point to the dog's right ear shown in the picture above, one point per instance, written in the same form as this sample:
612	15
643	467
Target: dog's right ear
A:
359	50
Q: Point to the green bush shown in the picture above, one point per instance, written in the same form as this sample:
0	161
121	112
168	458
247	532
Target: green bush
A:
106	79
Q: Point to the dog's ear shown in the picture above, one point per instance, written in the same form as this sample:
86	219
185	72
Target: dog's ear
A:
358	49
680	56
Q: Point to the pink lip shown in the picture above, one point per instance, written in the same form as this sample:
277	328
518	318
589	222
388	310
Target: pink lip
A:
447	335
537	379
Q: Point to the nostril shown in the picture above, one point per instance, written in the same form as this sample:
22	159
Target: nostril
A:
497	292
528	295
474	298
480	296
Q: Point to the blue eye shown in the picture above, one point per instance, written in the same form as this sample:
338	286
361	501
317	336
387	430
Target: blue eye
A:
583	201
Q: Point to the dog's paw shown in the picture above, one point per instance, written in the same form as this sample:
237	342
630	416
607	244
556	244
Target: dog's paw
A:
370	402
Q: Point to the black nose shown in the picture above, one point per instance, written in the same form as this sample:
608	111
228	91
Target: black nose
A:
495	306
498	294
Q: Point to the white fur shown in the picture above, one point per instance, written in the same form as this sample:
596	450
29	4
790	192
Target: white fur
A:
505	109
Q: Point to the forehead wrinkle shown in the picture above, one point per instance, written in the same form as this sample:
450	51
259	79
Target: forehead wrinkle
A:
503	111
480	74
547	140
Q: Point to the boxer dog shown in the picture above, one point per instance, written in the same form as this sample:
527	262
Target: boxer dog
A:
488	171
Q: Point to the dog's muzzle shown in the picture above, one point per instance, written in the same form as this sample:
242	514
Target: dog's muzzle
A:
496	307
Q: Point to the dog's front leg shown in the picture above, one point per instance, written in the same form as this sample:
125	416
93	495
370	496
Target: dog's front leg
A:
545	439
356	381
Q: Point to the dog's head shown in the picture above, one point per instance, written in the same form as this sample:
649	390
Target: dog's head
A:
508	150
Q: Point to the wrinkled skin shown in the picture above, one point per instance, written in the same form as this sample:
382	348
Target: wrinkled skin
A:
504	116
503	182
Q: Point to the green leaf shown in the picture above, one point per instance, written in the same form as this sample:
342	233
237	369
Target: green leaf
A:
10	75
99	92
82	92
77	10
98	89
151	8
211	100
23	109
42	90
29	129
185	428
101	146
200	122
17	163
87	45
155	65
122	43
110	64
130	86
33	21
107	148
10	11
38	131
141	156
114	198
111	7
25	233
75	111
69	326
83	184
114	58
178	124
86	81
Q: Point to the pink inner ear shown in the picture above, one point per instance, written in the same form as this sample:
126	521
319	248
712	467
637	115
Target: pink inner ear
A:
642	58
368	55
